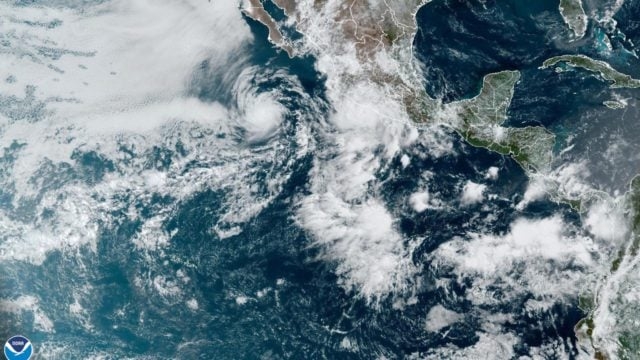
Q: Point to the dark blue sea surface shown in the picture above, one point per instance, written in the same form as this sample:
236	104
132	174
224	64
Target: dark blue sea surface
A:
460	41
544	97
625	37
303	312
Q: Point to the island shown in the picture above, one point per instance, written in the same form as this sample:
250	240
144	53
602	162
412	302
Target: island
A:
614	104
617	79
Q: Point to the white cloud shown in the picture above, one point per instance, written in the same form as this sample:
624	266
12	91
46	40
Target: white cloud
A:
262	117
349	344
79	312
74	226
423	200
28	303
166	287
527	240
536	190
472	193
260	112
570	179
371	257
123	71
405	160
123	57
192	304
420	201
344	215
533	257
367	129
128	80
488	346
492	173
606	220
241	300
440	317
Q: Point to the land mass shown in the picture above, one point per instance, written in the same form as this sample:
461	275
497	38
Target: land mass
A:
255	10
617	79
612	310
371	42
614	104
482	117
376	30
574	16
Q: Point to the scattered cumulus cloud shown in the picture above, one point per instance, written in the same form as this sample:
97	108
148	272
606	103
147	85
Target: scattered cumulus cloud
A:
472	193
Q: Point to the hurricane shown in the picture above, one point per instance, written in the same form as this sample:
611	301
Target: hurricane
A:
302	179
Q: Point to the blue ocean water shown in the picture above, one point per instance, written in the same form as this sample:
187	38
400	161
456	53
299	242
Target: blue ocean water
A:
461	41
303	312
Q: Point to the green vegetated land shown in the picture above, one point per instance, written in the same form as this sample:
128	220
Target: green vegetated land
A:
481	121
483	115
627	312
574	15
617	79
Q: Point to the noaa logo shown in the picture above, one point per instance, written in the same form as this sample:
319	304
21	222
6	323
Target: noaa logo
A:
18	348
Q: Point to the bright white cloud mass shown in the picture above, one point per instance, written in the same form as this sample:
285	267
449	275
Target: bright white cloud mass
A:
176	185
